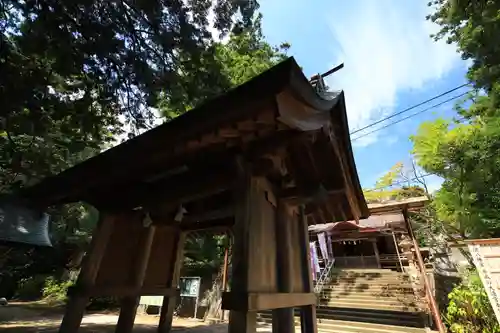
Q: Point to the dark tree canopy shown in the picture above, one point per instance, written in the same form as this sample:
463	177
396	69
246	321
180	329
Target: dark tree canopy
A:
72	72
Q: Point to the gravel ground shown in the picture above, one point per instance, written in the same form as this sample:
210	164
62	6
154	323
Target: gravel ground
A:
37	317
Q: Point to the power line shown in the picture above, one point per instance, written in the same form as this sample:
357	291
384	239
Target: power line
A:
408	109
410	116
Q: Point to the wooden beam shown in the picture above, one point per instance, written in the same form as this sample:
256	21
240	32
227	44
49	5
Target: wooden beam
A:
126	291
90	267
375	251
297	197
341	210
210	215
264	301
189	186
129	303
177	257
192	182
216	225
283	318
241	321
345	174
308	321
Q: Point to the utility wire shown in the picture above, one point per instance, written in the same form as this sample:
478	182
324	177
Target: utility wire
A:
408	109
408	117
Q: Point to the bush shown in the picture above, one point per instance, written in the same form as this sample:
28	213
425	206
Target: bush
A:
103	303
30	288
54	290
469	309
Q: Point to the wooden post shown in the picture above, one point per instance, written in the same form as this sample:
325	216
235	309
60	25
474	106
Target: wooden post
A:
224	278
129	304
375	251
168	306
283	321
308	322
430	298
86	279
245	195
397	252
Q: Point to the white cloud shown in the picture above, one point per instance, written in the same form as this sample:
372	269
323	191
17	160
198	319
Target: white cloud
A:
386	49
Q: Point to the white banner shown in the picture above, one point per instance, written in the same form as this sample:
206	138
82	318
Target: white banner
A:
486	257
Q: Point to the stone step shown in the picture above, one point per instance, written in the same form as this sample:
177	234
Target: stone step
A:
368	297
370	276
406	322
366	280
366	293
342	326
412	319
373	306
364	270
365	286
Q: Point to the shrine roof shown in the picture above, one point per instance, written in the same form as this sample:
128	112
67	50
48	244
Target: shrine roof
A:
277	106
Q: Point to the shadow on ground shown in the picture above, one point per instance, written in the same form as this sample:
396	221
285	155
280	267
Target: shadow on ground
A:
26	318
108	328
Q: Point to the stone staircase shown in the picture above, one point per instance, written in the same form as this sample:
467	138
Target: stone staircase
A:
368	300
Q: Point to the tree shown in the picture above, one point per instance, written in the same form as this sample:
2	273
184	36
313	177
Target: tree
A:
74	72
397	184
473	26
245	55
465	152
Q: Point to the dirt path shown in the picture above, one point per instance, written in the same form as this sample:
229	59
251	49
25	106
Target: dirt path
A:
37	317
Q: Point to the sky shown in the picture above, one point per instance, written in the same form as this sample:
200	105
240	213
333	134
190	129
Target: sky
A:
390	63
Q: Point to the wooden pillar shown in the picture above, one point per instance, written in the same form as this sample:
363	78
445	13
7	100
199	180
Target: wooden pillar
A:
86	279
224	278
169	302
396	246
308	322
283	321
128	308
245	197
375	251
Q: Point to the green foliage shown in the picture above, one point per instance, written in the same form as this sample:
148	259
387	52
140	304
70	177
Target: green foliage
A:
474	27
30	288
244	55
389	186
469	309
465	152
204	254
56	291
75	72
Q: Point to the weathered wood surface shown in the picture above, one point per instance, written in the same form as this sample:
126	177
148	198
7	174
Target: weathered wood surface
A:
307	313
167	309
266	301
129	304
90	268
283	318
247	234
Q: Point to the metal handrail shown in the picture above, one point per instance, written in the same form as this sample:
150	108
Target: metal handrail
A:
420	263
323	277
